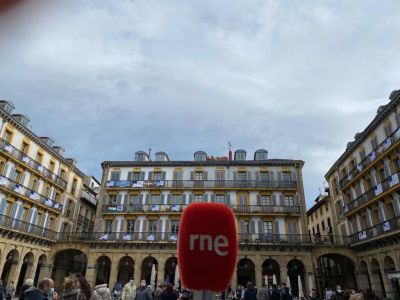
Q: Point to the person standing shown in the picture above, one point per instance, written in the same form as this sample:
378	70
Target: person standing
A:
11	289
143	293
72	289
328	293
338	294
285	293
275	295
250	293
263	293
28	283
169	293
2	291
313	294
158	291
101	291
129	291
46	285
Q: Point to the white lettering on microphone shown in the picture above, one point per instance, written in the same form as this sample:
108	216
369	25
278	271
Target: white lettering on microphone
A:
220	241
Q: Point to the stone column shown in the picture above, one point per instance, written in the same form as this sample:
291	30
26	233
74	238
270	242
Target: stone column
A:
258	270
91	270
390	292
114	271
283	276
161	269
138	268
14	274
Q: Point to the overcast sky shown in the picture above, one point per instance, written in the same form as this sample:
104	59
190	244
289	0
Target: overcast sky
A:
108	78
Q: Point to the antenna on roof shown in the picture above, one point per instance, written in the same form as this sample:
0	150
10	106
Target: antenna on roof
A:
149	153
319	191
230	150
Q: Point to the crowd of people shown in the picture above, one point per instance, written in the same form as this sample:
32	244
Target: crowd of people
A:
77	288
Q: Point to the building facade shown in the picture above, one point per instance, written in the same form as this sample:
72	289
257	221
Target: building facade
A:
319	217
40	193
143	199
365	196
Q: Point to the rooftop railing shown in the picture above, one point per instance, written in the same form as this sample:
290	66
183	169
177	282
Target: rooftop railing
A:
30	162
388	183
193	184
371	157
28	228
13	186
380	229
264	209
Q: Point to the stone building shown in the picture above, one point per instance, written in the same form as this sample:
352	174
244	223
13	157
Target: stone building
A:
365	195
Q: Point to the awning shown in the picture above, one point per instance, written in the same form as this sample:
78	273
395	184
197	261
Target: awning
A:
393	275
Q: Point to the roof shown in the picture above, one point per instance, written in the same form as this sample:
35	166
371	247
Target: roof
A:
383	111
228	163
318	204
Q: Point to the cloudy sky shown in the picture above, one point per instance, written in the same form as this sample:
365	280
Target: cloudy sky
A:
107	78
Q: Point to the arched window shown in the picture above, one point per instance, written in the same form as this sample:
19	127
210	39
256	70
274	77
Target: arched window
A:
3	206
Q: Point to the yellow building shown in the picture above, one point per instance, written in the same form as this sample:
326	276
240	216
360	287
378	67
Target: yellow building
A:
142	201
319	217
365	193
40	196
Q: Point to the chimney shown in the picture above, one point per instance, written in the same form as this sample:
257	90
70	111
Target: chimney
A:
230	151
60	150
72	161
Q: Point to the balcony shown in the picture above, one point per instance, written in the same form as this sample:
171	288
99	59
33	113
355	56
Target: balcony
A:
14	187
390	182
178	208
31	163
172	237
201	184
371	157
7	223
379	230
89	198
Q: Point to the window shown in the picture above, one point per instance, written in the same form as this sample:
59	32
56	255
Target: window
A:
242	176
388	129
289	200
130	226
39	157
374	142
134	200
263	176
174	227
198	198
155	199
108	226
265	200
198	176
52	166
267	226
261	155
115	175
3	206
74	184
112	199
323	225
152	226
140	156
8	136
286	176
200	156
133	176
245	227
220	198
16	176
63	174
362	154
25	148
240	155
157	176
176	199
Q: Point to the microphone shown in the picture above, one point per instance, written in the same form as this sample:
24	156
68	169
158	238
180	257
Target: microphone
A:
207	247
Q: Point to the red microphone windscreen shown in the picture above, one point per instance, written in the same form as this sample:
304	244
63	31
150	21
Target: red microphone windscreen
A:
207	247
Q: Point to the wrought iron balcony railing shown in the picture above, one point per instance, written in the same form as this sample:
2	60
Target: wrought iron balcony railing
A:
263	209
89	197
388	183
193	184
172	237
371	157
27	228
377	230
13	186
30	162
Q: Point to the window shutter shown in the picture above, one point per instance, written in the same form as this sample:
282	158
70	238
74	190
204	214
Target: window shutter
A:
258	200
5	170
234	175
212	197
190	198
294	176
137	226
281	200
125	199
119	199
141	199
373	179
273	199
167	225
159	228
296	200
259	226
271	176
122	226
12	173
150	176
169	199
257	176
142	174
163	175
252	226
248	176
144	224
205	175
242	229
163	199
206	197
184	199
280	176
276	227
387	168
192	175
228	199
23	180
66	205
147	199
396	205
3	206
115	225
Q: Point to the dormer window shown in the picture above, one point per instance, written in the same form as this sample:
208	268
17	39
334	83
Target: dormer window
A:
240	155
200	156
161	156
141	156
261	155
